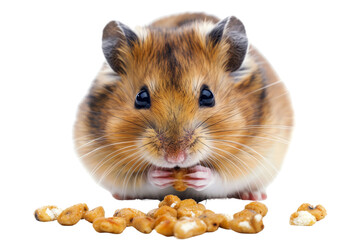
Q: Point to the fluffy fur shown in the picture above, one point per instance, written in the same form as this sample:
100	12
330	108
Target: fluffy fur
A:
243	138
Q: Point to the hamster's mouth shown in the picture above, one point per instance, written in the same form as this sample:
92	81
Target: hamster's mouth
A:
197	176
178	167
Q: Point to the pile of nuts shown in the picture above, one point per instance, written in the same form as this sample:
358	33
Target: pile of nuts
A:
173	217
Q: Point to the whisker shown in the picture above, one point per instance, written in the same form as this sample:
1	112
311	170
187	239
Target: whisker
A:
271	126
256	159
219	168
127	177
104	146
244	164
286	92
247	128
222	120
251	149
252	136
271	135
261	88
143	165
212	115
231	162
115	165
150	125
85	136
105	160
90	142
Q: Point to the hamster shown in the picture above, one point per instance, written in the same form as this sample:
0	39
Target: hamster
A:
189	92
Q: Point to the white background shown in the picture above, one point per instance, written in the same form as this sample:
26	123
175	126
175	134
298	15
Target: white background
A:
51	51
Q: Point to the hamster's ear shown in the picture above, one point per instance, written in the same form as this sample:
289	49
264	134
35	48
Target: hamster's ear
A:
117	39
230	31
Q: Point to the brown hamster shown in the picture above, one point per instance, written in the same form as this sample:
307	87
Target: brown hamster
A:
187	91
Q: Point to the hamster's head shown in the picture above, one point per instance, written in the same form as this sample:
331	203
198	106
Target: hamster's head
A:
179	101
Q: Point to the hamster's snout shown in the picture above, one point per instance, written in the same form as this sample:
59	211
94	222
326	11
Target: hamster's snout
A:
176	158
175	148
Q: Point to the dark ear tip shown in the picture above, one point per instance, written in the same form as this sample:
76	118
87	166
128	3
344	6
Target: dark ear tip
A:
233	18
111	28
234	24
113	23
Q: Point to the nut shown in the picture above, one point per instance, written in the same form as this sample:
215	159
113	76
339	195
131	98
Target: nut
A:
47	213
211	220
247	221
173	217
302	218
189	227
189	208
152	212
143	224
128	214
319	212
225	223
165	210
164	217
166	226
179	176
171	201
257	207
73	214
111	225
90	216
187	202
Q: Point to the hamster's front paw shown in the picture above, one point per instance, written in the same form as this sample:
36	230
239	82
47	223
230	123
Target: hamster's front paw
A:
161	177
199	177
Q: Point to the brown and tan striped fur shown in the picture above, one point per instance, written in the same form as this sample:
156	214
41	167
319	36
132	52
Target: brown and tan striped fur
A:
243	137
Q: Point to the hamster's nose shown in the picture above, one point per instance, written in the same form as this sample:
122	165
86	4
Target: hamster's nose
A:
178	157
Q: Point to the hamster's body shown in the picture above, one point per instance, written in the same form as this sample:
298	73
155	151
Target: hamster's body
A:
232	146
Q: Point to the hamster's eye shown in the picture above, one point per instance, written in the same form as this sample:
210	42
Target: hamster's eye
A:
206	98
142	100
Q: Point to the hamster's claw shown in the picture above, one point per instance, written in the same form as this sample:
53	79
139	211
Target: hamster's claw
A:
254	196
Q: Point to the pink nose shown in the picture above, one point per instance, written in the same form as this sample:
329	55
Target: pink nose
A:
178	157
